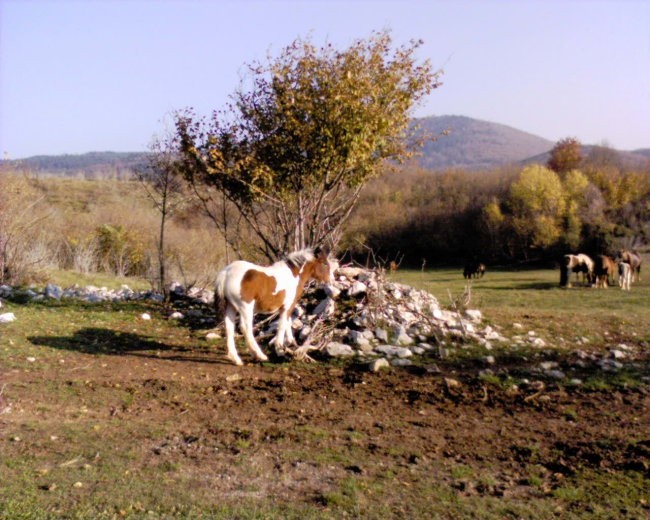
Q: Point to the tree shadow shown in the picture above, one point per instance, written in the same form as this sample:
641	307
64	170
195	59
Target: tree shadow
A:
536	286
92	340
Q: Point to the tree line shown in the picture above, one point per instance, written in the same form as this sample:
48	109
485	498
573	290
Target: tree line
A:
535	213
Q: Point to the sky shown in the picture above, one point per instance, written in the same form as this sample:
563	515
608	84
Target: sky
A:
106	75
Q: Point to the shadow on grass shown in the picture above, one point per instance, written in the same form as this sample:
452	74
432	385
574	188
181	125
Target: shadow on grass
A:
93	340
543	286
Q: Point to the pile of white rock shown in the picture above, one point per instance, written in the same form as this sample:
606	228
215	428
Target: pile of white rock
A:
364	315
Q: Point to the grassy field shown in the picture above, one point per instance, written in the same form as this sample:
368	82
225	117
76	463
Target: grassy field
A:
106	415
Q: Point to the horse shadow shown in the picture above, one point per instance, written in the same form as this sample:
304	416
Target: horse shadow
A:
99	341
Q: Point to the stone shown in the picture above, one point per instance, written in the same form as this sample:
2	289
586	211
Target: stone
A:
394	351
176	316
401	362
53	291
357	289
336	349
474	315
325	308
378	364
381	334
7	317
357	338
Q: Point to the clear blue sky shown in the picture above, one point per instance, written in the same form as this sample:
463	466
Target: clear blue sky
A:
96	75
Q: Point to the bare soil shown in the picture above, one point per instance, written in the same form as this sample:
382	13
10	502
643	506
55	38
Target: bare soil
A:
294	433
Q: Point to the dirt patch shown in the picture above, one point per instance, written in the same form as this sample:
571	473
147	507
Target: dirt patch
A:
296	433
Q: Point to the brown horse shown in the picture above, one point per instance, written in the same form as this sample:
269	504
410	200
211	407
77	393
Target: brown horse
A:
604	271
474	269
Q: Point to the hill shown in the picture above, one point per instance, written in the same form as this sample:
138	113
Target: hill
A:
475	144
92	164
463	142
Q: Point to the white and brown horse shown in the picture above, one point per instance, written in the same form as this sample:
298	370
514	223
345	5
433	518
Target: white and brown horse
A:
579	263
632	258
245	288
624	275
604	271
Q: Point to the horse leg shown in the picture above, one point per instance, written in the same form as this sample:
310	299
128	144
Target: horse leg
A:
246	325
229	321
282	330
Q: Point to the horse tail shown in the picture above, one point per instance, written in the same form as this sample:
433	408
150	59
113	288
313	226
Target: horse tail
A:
219	295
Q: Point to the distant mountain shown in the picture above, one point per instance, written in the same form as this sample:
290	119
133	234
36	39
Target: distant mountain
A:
92	164
475	144
467	143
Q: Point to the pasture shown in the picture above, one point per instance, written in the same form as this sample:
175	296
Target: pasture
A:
105	415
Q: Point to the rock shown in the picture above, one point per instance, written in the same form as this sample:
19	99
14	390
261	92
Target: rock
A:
555	374
332	291
378	364
7	317
53	291
381	335
548	365
538	342
617	354
336	349
145	316
211	336
399	336
357	338
357	289
325	308
394	351
474	314
489	360
176	316
401	362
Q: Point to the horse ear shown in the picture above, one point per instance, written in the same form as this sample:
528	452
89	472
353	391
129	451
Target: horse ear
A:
321	252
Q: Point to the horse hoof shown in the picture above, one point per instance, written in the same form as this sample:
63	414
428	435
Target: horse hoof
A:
263	357
237	361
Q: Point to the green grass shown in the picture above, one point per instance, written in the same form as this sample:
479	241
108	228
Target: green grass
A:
62	414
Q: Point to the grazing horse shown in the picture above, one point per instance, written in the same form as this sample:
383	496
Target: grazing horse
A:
624	275
604	271
579	263
245	289
474	269
632	258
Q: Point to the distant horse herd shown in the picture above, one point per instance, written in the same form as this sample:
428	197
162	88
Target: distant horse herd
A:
602	271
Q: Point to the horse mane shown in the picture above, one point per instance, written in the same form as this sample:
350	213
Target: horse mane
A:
298	259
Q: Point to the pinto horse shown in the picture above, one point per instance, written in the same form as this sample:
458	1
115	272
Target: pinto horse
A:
579	263
604	271
624	275
245	289
632	258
